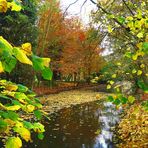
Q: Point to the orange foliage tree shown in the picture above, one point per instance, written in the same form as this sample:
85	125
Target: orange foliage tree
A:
81	53
73	49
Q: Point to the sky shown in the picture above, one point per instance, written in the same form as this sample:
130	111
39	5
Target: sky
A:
74	9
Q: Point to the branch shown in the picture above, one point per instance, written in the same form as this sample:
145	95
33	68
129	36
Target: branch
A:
128	7
108	13
83	5
69	7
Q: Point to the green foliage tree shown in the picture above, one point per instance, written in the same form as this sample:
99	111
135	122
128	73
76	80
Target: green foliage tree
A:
18	28
16	100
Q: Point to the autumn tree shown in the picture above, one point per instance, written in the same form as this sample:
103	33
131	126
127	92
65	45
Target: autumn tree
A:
80	54
126	25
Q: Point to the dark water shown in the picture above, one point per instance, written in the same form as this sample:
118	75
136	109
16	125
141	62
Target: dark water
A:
82	126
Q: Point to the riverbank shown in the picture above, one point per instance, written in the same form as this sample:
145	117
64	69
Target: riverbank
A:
54	102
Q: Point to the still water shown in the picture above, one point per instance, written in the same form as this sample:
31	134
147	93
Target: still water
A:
82	126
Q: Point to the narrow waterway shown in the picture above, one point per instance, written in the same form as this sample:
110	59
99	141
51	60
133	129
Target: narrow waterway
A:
86	125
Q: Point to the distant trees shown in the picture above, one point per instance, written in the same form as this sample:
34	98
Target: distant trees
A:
73	49
80	54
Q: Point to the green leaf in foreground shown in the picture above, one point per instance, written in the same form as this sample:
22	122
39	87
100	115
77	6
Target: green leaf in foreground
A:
3	125
41	136
22	88
38	114
47	73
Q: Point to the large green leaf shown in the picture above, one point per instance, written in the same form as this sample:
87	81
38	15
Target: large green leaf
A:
145	47
37	63
41	136
121	19
10	115
38	114
142	85
117	101
9	63
22	88
5	46
28	125
41	64
47	73
110	99
3	125
123	100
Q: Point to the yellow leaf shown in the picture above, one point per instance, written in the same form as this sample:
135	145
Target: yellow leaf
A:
13	108
128	49
119	64
14	6
14	142
24	133
108	86
140	35
111	82
18	124
3	6
46	61
130	18
96	78
9	93
140	53
21	56
139	45
114	76
118	89
1	67
27	48
134	71
131	99
11	87
142	66
131	25
10	122
134	57
139	72
30	108
7	44
110	30
143	4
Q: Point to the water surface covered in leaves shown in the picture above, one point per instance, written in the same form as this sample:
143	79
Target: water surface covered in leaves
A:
81	126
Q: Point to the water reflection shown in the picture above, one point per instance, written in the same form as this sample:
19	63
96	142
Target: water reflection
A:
76	127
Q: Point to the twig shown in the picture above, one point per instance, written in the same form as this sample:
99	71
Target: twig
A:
128	7
83	5
69	7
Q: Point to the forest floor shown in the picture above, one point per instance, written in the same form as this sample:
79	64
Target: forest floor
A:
55	102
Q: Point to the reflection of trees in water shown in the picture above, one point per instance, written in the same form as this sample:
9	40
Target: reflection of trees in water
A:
78	125
73	127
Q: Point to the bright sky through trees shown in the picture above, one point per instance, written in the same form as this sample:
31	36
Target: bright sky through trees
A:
77	9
